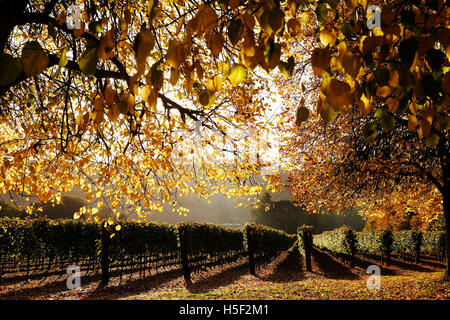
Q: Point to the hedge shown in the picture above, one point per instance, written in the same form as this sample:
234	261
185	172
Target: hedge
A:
339	241
302	233
269	241
138	239
406	243
206	238
304	243
44	238
377	242
433	243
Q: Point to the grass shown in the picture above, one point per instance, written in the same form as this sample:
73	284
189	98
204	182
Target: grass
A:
418	286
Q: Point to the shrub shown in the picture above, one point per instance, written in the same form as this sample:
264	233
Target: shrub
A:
339	241
210	239
406	242
433	243
138	239
302	233
269	241
376	242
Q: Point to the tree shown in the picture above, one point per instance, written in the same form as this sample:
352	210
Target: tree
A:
379	137
115	102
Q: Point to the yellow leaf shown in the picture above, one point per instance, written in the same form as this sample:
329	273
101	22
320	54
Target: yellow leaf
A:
214	84
106	49
327	37
114	112
424	129
293	27
237	74
206	19
364	105
393	79
384	91
428	114
145	42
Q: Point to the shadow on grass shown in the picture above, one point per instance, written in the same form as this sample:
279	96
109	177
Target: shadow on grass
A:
133	287
47	287
287	267
331	268
224	277
44	289
412	266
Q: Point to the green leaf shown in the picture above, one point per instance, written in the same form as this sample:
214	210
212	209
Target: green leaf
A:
237	74
333	3
346	29
441	124
370	131
11	69
88	62
379	112
387	121
321	12
432	140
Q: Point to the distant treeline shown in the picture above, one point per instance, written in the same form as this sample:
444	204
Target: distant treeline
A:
64	210
284	215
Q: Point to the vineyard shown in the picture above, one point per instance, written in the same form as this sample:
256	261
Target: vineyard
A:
345	243
35	250
47	246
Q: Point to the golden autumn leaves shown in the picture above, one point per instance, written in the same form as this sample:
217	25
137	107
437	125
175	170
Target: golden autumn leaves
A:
398	70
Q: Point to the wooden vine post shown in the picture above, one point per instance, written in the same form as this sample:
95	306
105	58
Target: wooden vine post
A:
184	254
307	240
251	249
418	245
104	255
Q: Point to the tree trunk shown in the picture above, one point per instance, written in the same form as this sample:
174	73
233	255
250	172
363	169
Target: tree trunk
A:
446	207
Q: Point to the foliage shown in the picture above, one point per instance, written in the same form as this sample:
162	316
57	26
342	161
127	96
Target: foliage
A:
377	242
302	233
139	239
433	243
339	241
128	90
379	137
43	238
268	241
205	238
406	242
